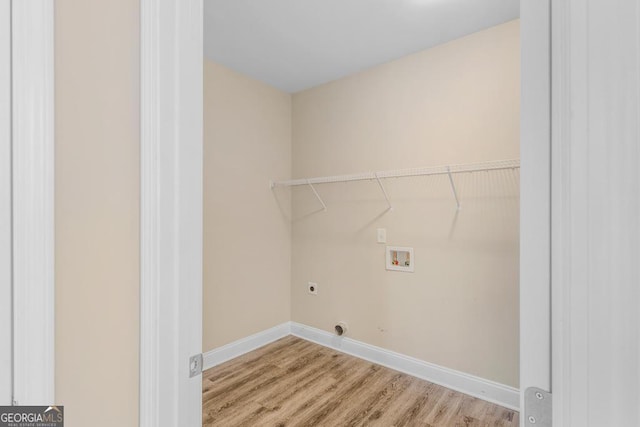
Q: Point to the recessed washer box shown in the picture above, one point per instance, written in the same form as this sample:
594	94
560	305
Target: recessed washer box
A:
400	258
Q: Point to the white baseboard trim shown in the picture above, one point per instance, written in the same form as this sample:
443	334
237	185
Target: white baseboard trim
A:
490	391
244	345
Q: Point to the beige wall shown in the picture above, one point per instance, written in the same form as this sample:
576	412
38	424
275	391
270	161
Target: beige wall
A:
455	103
97	210
247	229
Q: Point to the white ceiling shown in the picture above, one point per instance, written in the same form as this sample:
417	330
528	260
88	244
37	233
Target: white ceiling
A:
297	44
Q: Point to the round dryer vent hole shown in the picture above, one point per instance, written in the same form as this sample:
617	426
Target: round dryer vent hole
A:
341	329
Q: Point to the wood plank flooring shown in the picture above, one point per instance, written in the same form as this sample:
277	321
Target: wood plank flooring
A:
293	382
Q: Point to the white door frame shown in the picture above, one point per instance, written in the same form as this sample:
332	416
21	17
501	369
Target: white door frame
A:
535	198
595	213
171	62
32	171
6	305
171	212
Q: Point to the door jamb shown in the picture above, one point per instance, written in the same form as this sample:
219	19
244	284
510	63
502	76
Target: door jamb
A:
535	198
33	201
171	57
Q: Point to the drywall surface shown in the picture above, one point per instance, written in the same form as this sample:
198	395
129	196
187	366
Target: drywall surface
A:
97	199
455	103
247	227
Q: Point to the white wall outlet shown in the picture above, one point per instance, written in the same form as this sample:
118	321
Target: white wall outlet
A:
312	288
382	235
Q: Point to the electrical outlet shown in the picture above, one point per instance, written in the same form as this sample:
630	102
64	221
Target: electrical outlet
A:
382	235
312	288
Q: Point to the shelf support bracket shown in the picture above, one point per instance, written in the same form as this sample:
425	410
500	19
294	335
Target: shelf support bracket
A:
453	187
324	207
386	197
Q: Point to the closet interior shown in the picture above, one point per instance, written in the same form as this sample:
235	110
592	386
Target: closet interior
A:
375	213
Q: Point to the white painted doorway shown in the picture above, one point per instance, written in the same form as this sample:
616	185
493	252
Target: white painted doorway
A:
171	213
535	199
26	203
596	213
6	322
171	316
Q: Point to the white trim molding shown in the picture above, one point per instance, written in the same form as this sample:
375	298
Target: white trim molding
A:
481	388
171	212
596	213
6	262
535	197
33	201
245	345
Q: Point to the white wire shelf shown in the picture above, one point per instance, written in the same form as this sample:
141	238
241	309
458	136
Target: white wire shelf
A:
399	173
449	170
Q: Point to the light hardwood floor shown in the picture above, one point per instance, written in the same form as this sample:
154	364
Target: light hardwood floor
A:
293	382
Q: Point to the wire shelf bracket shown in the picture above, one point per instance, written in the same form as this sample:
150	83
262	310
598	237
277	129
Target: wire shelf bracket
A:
324	207
384	192
453	188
